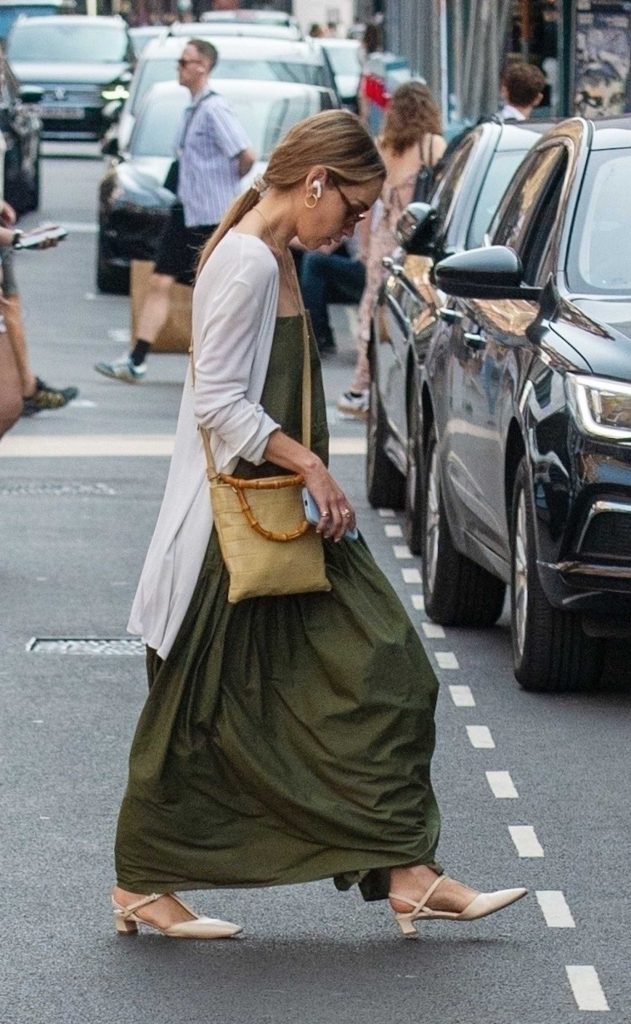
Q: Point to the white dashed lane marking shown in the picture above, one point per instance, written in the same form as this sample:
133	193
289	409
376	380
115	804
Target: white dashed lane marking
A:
433	631
392	530
555	909
385	513
402	551
418	602
586	987
525	840
462	696
411	576
446	659
480	736
502	785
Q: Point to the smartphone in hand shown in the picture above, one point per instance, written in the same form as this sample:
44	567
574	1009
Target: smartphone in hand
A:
312	513
40	236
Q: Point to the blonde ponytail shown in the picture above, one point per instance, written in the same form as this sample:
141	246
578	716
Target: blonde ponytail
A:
242	205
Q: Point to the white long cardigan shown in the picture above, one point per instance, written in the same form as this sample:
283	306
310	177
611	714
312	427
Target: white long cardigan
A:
234	312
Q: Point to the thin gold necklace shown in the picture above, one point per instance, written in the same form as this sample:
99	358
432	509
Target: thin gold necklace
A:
284	258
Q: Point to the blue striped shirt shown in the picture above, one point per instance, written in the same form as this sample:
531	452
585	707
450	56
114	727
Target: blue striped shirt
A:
210	141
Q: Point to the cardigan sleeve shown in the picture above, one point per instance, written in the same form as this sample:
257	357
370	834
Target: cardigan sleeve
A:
228	322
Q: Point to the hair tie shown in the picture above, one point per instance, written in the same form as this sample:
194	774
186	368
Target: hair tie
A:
259	184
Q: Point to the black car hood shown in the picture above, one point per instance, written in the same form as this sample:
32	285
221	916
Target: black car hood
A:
34	73
599	329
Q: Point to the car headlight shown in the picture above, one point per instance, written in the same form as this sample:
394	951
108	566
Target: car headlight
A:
601	407
117	91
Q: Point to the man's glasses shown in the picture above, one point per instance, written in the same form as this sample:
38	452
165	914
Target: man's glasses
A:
182	62
353	215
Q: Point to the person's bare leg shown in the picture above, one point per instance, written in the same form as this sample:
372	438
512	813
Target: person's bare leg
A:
413	882
10	386
155	308
11	309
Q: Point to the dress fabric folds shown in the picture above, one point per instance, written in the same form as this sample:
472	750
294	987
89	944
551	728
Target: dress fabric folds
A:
284	739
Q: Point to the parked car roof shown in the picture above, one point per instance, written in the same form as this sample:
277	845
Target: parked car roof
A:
235	28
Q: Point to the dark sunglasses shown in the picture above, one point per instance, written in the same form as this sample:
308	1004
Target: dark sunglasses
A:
353	215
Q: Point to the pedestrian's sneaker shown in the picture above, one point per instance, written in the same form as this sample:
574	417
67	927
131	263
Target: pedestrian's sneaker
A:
122	369
46	397
354	403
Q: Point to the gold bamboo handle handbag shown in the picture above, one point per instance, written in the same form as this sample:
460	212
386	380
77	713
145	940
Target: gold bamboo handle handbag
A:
268	547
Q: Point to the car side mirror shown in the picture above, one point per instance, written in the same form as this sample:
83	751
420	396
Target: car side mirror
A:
494	272
415	229
31	93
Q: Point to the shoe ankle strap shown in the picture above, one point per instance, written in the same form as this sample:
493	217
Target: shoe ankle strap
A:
133	907
423	900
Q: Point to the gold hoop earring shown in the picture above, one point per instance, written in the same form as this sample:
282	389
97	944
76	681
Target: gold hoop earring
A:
311	206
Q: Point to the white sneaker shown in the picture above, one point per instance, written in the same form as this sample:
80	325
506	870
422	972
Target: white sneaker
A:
354	403
122	369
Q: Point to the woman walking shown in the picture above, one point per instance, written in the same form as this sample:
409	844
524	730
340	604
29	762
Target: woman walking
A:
284	739
410	140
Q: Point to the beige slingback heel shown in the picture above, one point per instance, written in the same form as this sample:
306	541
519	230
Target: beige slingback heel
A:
126	921
481	905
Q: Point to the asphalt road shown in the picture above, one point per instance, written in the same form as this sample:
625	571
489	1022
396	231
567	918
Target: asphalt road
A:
534	790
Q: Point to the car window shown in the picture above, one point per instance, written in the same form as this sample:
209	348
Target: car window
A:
265	120
446	193
600	245
164	70
67	43
499	173
524	202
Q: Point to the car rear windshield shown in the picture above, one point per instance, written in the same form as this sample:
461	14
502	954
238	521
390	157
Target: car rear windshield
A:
599	257
162	70
344	59
264	119
68	44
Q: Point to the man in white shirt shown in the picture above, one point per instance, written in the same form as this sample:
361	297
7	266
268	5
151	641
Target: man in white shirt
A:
213	154
521	89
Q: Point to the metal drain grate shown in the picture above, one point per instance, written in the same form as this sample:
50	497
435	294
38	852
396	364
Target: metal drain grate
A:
57	490
85	645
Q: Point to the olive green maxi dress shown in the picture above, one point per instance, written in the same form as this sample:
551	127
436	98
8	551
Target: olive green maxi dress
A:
284	739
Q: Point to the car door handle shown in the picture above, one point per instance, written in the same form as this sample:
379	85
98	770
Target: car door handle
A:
450	316
474	341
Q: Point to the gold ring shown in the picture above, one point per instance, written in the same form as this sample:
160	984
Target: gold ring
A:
346	512
324	515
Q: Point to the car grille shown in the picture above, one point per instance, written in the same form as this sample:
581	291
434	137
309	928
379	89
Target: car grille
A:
608	535
80	95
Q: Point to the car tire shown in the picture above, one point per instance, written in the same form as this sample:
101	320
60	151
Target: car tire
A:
385	485
457	591
551	652
414	480
109	279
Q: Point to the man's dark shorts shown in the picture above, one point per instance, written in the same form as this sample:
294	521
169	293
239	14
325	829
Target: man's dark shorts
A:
179	249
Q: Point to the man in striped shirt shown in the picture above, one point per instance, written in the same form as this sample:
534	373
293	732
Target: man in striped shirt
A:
213	154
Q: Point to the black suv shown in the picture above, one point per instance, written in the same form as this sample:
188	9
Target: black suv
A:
75	59
526	413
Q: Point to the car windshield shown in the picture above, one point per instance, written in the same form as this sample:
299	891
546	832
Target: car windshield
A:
66	44
500	172
163	70
344	59
265	120
599	258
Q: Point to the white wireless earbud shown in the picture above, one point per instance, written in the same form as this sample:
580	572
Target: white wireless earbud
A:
317	189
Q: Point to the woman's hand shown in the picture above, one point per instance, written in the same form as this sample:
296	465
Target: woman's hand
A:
336	512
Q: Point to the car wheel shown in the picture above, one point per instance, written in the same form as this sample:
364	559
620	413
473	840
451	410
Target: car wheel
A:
551	653
457	591
109	279
384	483
414	480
